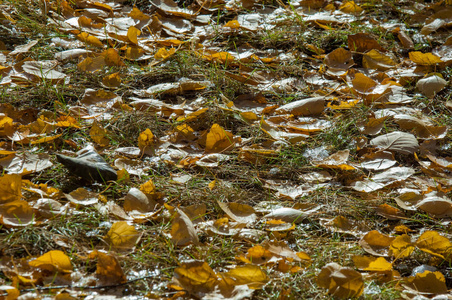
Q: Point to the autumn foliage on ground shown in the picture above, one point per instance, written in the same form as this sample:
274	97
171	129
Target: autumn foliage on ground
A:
225	149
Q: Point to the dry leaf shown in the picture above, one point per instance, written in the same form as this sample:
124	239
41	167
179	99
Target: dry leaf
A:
432	242
341	282
428	282
304	107
122	236
401	142
241	213
99	134
431	85
374	264
109	271
53	261
182	231
401	247
288	215
376	243
219	140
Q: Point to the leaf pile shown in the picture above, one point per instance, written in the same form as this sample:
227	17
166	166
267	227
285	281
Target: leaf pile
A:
222	149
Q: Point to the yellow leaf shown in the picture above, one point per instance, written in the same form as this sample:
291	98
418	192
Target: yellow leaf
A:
10	188
148	188
99	134
424	59
375	242
90	40
134	52
45	139
218	140
196	277
138	15
146	141
350	7
12	292
163	54
53	261
234	24
112	58
241	213
122	236
341	282
251	275
432	242
91	64
375	59
367	263
362	83
212	184
112	80
401	247
132	34
123	175
258	255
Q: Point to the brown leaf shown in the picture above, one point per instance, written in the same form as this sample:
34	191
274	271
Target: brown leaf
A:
109	271
362	42
182	231
428	282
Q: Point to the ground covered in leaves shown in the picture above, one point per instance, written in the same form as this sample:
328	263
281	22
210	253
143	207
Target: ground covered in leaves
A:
225	149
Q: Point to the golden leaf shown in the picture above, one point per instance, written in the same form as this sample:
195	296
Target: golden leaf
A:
146	141
367	263
90	40
99	134
10	188
132	34
432	242
424	59
251	275
341	282
53	261
401	246
219	140
122	236
196	277
112	80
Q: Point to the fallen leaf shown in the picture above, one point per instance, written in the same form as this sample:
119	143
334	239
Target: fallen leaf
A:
374	264
341	282
53	261
122	236
182	231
